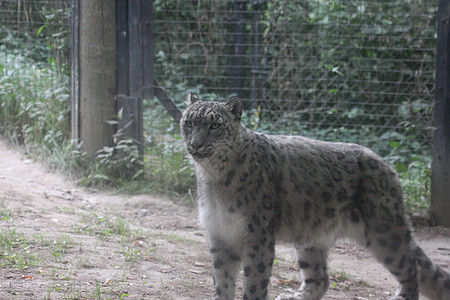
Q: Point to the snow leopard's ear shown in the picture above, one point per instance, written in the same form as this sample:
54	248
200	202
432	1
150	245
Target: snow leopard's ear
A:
234	106
191	99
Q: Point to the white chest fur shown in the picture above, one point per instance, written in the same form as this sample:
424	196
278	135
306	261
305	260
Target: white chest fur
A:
218	222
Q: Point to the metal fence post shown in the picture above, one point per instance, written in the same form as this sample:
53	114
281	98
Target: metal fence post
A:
440	176
135	65
75	87
237	34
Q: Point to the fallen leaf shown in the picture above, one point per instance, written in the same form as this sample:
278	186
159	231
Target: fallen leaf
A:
27	277
199	264
289	282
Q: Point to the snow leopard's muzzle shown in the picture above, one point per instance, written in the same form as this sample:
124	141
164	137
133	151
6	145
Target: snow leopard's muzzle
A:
197	145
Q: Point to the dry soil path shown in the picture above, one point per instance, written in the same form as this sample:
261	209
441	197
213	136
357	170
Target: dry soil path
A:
61	241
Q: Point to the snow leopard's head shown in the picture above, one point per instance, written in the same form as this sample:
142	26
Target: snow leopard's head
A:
207	127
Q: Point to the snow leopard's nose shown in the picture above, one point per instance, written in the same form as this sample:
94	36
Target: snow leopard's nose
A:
198	138
196	144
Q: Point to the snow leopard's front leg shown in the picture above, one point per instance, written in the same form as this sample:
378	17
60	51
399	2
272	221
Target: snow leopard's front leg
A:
258	256
225	262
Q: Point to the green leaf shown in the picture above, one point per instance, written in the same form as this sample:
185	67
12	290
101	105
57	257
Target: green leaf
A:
40	29
401	167
394	144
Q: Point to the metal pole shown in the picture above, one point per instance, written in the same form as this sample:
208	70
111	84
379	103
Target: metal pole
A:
75	87
440	173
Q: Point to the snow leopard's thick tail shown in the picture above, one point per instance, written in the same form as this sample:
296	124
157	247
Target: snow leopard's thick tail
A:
434	281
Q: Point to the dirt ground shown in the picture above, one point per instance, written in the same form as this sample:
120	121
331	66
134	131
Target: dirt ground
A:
61	241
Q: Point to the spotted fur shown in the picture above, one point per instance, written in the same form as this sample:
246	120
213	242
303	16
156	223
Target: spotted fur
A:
255	189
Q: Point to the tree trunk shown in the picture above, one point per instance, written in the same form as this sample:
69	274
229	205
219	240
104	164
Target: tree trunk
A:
97	73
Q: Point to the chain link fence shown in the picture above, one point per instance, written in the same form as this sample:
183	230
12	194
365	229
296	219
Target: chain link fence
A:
35	71
340	70
304	66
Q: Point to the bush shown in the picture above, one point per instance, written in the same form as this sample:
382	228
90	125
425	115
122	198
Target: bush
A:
35	101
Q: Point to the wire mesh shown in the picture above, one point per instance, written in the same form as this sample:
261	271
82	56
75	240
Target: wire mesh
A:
340	70
39	29
35	70
304	66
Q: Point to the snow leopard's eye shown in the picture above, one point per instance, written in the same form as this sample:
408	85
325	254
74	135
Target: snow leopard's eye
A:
214	125
189	124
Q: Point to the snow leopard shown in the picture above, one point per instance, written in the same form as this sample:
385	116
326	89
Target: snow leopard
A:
255	189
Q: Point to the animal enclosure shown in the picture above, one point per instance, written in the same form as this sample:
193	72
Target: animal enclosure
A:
338	70
351	71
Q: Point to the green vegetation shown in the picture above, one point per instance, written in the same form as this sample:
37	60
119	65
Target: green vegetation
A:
15	249
327	81
104	227
22	252
35	109
57	257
